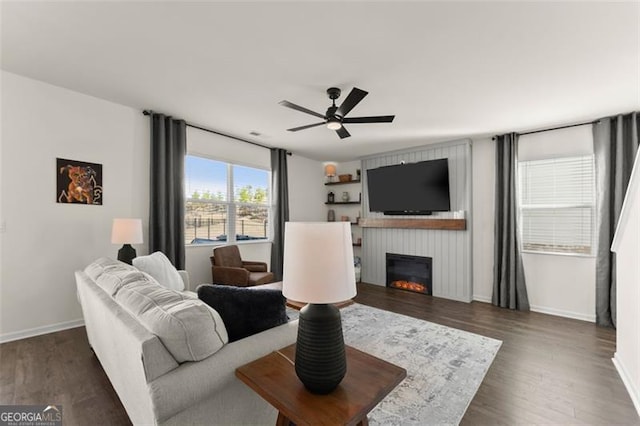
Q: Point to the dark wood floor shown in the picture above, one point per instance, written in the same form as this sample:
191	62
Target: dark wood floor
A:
549	370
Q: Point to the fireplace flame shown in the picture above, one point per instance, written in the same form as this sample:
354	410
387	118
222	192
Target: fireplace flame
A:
409	285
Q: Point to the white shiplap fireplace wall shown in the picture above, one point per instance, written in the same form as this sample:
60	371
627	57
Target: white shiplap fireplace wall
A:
450	250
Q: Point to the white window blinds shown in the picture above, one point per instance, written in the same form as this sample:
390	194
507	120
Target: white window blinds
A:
557	204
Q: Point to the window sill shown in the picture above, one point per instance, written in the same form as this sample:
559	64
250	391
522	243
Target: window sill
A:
552	253
223	243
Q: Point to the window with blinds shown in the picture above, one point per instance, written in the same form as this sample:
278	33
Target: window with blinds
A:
557	198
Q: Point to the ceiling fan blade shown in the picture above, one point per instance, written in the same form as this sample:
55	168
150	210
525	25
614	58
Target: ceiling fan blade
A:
354	97
377	119
342	132
308	126
299	108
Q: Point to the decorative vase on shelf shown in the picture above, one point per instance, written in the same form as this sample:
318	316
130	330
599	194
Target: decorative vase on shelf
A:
331	216
345	196
331	197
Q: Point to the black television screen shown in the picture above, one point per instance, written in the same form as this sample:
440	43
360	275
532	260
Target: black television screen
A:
413	188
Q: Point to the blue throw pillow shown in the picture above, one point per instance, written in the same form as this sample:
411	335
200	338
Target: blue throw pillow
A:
245	310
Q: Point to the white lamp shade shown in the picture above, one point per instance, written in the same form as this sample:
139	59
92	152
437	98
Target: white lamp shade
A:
330	170
318	262
126	231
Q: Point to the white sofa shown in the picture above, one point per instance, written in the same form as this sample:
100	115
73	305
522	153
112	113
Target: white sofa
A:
153	387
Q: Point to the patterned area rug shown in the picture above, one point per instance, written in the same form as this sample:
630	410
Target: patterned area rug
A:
445	366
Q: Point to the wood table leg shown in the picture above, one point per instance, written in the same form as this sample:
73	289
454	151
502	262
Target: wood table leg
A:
282	420
363	422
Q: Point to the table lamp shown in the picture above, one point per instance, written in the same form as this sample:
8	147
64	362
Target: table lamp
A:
127	232
318	270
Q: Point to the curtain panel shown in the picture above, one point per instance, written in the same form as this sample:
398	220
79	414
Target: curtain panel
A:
615	143
166	209
280	189
509	287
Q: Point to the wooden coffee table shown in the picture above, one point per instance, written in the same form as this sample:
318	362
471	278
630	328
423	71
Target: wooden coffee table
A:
295	304
367	382
299	305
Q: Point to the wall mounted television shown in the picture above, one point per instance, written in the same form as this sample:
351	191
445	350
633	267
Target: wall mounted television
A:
409	189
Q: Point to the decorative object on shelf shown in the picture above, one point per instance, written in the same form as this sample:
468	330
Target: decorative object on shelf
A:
320	354
345	196
330	171
358	174
458	214
331	215
331	197
359	241
127	232
344	178
78	182
344	218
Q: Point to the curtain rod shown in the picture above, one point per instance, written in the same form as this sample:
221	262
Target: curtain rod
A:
553	128
195	126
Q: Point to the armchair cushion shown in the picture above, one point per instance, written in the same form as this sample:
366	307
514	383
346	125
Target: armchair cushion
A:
230	276
227	256
245	311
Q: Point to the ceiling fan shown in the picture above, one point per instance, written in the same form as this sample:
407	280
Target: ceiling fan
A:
335	116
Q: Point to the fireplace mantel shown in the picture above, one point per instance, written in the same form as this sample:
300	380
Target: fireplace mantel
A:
446	224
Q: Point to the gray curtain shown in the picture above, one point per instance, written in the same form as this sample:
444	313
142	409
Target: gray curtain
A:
166	210
615	142
509	288
280	189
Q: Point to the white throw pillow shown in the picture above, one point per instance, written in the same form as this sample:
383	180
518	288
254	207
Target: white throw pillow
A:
159	267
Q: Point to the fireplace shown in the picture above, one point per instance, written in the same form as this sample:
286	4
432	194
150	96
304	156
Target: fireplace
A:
411	273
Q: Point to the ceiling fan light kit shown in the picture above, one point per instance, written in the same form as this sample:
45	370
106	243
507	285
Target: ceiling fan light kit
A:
335	116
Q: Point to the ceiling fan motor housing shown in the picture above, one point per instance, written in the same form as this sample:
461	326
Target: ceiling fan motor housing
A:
334	93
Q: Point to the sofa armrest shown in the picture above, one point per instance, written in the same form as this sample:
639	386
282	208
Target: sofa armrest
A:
228	275
254	266
193	382
185	279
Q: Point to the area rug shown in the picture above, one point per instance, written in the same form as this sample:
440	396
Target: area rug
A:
445	366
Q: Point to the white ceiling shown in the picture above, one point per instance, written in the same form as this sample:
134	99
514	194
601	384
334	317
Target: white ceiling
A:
446	70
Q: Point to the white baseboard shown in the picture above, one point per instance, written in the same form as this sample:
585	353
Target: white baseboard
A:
545	310
563	313
37	331
628	382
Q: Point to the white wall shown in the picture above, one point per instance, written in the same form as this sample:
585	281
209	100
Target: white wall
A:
556	284
626	245
306	190
483	171
305	194
44	241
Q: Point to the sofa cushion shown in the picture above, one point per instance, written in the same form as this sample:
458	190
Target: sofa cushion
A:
245	311
105	264
160	267
188	328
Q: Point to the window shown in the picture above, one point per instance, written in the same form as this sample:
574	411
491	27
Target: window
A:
225	202
557	199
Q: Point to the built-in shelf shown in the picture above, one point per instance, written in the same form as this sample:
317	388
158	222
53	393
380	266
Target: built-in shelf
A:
357	245
342	183
343	202
446	224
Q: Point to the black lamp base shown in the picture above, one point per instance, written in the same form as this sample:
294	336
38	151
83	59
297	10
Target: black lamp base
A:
126	254
321	362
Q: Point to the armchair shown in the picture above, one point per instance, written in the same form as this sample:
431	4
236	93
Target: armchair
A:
227	267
